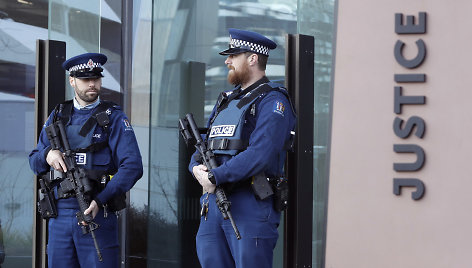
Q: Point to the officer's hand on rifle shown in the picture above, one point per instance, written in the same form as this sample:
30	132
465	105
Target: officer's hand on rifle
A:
55	159
201	174
93	208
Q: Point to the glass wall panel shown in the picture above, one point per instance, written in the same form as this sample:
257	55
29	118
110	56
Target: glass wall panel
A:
315	17
187	76
90	26
138	217
21	23
95	26
172	212
175	54
76	24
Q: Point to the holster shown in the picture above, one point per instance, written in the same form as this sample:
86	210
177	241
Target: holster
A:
277	187
281	194
47	203
261	186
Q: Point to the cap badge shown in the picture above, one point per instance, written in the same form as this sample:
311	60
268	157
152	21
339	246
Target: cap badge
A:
90	64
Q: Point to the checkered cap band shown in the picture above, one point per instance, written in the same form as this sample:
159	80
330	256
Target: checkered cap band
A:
89	65
252	46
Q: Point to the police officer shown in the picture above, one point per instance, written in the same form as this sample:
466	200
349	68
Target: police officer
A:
249	132
107	149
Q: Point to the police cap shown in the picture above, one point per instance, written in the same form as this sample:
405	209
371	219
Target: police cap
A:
88	65
245	41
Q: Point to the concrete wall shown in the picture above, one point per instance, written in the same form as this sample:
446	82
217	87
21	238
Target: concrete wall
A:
369	225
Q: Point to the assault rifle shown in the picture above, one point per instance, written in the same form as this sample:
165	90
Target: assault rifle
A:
75	181
189	130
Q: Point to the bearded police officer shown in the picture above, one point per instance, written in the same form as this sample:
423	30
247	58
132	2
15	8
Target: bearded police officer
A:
249	132
105	146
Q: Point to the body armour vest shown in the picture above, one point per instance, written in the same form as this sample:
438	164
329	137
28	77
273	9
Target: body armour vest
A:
226	129
87	135
89	142
77	141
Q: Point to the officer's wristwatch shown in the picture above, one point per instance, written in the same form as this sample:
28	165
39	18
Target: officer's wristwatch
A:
211	177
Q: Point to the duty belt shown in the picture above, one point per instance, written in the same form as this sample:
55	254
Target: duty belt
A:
97	179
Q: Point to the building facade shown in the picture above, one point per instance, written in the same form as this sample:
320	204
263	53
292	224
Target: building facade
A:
163	62
391	99
399	179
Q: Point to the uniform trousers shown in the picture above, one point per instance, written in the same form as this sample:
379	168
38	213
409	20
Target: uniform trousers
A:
257	221
69	247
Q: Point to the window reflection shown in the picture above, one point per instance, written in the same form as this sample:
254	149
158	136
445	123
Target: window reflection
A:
20	25
178	35
185	32
316	18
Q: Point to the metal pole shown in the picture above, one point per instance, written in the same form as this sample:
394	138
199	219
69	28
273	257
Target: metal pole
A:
49	91
299	77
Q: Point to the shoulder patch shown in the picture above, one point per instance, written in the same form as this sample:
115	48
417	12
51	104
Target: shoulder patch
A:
127	125
279	107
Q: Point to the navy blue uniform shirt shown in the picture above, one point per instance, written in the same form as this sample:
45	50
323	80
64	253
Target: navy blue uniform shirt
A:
122	154
267	131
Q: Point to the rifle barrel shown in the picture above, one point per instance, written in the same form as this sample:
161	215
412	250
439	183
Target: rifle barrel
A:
99	254
235	228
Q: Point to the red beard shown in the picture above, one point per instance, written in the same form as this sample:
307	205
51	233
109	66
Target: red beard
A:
240	76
